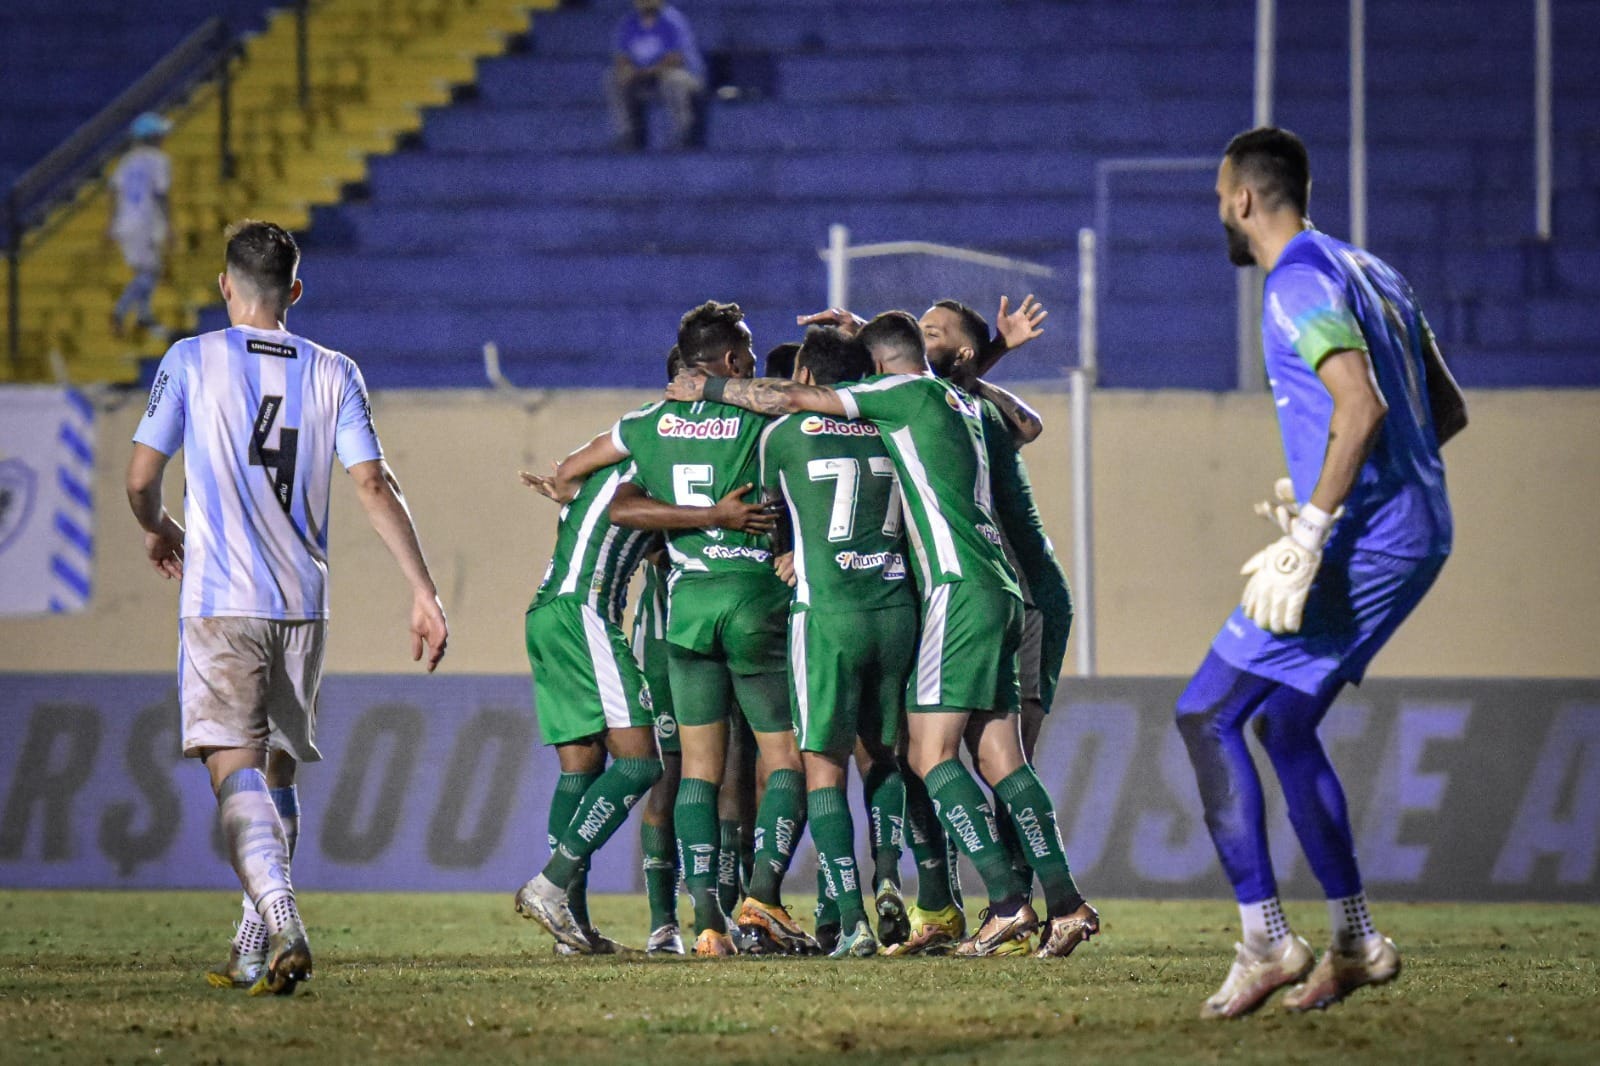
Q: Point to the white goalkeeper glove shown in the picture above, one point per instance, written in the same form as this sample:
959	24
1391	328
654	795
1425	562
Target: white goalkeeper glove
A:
1281	573
1282	509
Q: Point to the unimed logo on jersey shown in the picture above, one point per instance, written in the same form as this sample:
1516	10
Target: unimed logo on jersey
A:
821	424
670	425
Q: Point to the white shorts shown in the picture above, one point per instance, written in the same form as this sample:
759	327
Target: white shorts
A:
1028	655
250	683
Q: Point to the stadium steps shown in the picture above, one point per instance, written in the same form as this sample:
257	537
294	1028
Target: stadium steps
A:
375	64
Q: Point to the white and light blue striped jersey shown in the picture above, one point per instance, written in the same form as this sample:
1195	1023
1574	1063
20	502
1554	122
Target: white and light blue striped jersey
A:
260	415
140	181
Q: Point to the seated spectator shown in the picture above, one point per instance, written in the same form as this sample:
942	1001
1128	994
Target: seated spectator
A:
655	57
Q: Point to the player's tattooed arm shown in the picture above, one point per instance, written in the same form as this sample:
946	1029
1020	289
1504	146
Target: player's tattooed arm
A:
633	509
1025	423
563	484
764	396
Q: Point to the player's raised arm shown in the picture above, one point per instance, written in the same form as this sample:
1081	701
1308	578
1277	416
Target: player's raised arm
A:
1013	329
633	509
385	505
764	396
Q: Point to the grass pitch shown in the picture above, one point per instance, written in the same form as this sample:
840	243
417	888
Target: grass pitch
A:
118	977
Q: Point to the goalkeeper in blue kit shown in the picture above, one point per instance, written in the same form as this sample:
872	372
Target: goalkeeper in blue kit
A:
1364	402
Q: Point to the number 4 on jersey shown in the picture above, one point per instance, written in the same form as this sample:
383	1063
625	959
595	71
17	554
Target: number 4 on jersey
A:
279	461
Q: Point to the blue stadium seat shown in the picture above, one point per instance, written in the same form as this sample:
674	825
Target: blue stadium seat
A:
974	125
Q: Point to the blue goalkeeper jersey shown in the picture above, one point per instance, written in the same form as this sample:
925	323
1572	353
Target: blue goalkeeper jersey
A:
1325	296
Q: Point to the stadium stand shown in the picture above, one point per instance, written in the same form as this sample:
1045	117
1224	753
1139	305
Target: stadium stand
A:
373	64
508	218
976	125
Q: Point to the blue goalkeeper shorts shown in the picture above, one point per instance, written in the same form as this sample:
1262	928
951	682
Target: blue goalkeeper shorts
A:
1354	606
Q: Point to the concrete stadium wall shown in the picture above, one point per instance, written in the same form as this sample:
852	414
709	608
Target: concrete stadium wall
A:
1175	476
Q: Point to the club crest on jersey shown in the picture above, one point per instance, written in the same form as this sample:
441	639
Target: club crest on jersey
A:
674	426
819	424
960	404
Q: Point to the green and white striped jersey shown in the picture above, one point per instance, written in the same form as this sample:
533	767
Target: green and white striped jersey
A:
934	432
593	559
693	454
844	501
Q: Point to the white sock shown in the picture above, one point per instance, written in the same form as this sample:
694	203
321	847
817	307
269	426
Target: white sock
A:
1265	926
255	841
251	936
1351	923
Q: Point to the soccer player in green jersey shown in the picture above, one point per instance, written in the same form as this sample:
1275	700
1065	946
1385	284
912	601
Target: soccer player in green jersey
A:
726	622
853	622
590	699
963	683
957	338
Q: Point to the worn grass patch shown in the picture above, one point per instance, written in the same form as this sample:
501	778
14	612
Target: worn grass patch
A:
117	977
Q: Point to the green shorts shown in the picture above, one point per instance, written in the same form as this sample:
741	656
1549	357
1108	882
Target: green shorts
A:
847	676
650	654
740	619
967	654
584	679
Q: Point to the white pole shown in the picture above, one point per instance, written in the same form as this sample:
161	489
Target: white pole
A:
1541	119
838	265
1358	123
1251	372
1082	382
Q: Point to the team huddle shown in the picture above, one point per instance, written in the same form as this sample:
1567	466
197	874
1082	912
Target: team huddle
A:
897	633
842	563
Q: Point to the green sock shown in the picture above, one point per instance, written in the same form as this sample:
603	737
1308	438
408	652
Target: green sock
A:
827	912
728	865
886	803
1006	829
1034	816
601	812
695	817
834	835
779	822
952	868
564	804
660	873
926	837
969	820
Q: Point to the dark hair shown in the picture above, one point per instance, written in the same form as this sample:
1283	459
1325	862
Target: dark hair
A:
264	254
708	331
974	325
832	357
780	361
896	334
1275	164
674	363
